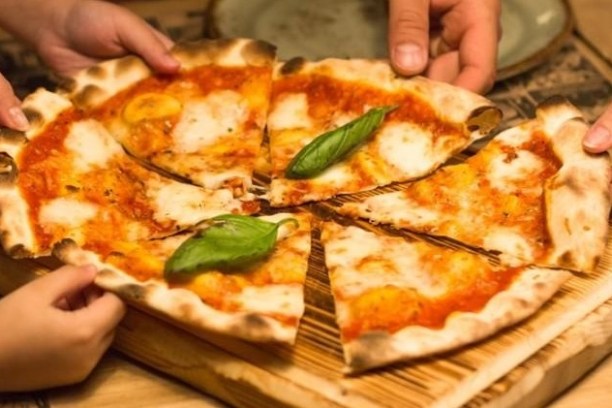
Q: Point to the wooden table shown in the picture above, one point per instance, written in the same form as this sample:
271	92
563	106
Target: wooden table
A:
121	381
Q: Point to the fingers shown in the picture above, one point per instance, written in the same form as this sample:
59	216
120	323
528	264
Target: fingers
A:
62	283
104	312
478	55
154	47
599	137
408	35
11	114
473	29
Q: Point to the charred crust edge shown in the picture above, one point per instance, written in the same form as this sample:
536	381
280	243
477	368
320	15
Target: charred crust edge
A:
363	356
253	326
60	248
19	251
8	169
484	119
12	136
293	66
259	52
209	47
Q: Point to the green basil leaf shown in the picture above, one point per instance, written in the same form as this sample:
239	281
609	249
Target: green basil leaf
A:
232	242
335	145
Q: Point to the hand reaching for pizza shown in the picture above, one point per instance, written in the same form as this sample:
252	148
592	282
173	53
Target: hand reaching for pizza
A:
599	136
448	40
74	35
60	325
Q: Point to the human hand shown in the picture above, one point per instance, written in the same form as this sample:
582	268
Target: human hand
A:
70	35
599	137
55	329
453	41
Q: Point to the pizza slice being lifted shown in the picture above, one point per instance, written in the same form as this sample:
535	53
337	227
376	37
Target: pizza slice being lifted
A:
389	128
204	124
211	288
398	300
532	194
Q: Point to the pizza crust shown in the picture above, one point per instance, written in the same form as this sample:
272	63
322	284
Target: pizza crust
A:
91	87
577	197
16	231
525	297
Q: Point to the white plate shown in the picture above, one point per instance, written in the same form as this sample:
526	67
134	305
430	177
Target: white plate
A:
315	29
533	30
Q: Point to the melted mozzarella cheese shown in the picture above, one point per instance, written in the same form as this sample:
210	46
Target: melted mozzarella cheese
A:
290	112
509	241
406	147
506	175
362	260
66	212
515	136
188	204
203	122
395	208
92	145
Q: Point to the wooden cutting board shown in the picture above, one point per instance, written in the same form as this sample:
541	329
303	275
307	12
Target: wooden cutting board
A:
310	373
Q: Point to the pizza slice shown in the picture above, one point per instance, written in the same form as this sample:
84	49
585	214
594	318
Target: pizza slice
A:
68	178
262	300
204	124
388	128
397	300
532	194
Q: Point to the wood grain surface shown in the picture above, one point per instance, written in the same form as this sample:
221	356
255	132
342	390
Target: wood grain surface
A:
524	366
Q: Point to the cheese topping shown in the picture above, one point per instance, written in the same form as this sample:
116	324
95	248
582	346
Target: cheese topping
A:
407	147
206	120
91	144
365	261
67	212
188	203
507	175
290	111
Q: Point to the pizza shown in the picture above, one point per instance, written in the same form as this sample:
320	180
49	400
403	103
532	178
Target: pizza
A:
429	122
397	300
152	178
67	177
204	124
532	194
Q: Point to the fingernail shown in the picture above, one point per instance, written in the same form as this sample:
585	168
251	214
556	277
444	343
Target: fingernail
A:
20	122
171	62
598	137
409	56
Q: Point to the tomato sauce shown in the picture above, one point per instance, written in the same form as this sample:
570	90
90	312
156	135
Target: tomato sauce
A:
327	95
391	309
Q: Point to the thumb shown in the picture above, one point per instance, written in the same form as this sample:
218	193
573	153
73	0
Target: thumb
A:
63	282
409	35
11	114
599	136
